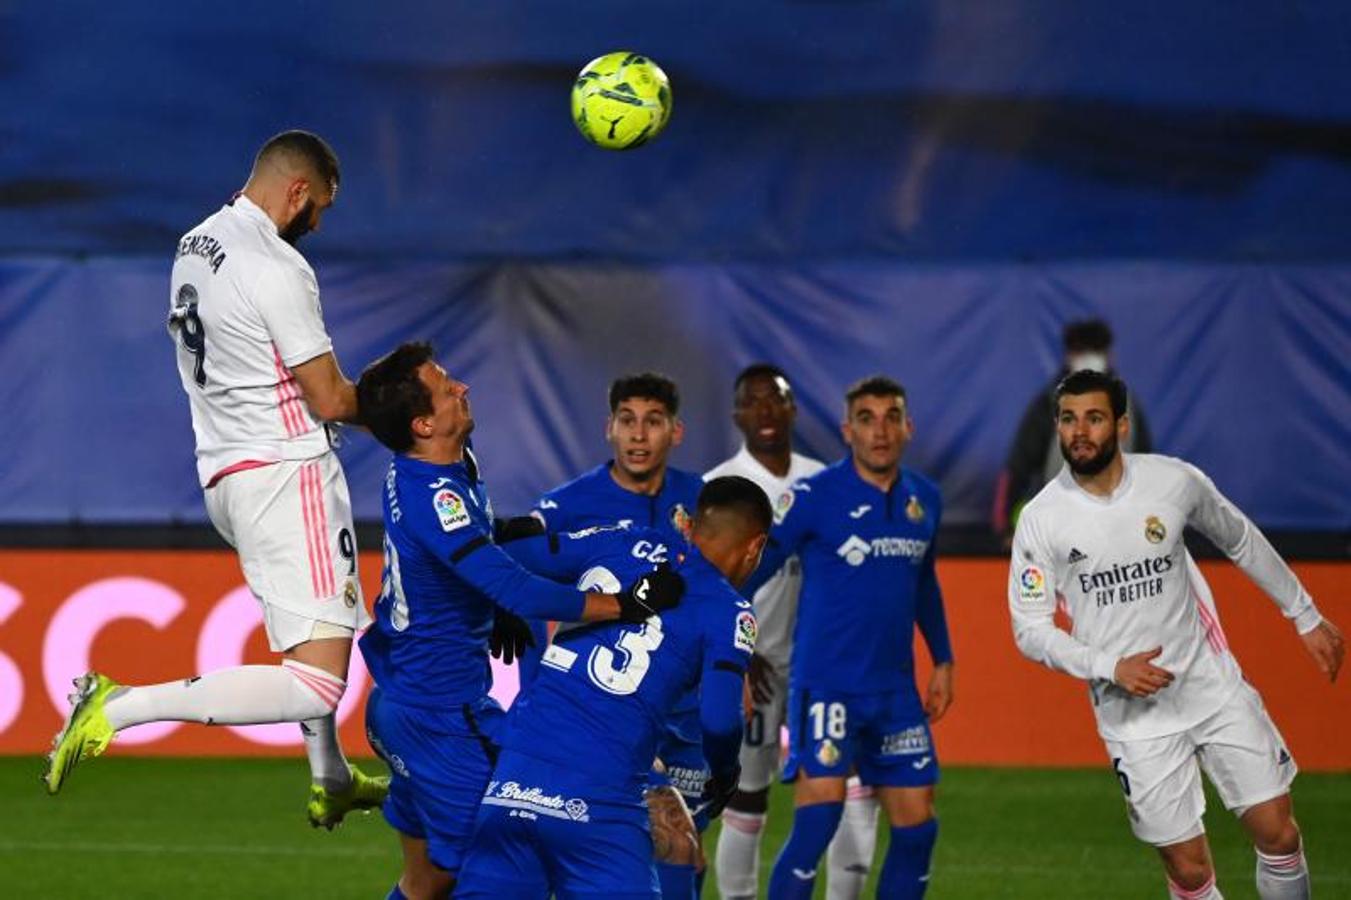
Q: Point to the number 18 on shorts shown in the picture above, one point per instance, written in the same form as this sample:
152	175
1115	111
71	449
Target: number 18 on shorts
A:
885	737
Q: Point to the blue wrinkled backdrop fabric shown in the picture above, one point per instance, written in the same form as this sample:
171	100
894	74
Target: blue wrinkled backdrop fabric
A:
924	188
1243	369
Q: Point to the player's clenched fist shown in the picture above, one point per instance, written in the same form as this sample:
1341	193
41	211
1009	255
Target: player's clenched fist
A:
655	592
1139	676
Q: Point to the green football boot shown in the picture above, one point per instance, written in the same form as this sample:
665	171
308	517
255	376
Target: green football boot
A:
327	809
86	733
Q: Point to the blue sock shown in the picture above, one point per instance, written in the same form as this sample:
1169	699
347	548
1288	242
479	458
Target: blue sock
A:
794	873
905	873
677	882
396	894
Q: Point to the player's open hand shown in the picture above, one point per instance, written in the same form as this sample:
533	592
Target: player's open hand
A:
1327	648
760	677
651	593
939	696
1138	675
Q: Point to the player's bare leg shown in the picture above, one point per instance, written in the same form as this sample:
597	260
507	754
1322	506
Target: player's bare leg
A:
818	804
1191	872
914	831
421	879
1282	873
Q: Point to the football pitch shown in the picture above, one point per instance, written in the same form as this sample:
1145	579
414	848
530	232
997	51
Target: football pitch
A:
127	828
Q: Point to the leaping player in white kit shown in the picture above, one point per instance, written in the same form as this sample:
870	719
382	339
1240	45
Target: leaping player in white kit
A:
1104	539
263	384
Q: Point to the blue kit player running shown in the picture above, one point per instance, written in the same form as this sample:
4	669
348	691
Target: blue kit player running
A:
564	812
637	487
864	531
430	716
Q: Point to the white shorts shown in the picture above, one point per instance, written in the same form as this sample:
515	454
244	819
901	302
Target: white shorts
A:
1240	749
760	754
291	523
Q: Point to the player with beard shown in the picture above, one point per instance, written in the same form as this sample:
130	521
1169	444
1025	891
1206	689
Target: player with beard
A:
1104	540
764	411
263	386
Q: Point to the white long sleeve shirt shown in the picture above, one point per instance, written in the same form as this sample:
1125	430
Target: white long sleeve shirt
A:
1119	568
244	308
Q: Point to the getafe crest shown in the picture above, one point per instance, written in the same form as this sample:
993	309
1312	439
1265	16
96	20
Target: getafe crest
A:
914	510
827	754
1154	530
680	519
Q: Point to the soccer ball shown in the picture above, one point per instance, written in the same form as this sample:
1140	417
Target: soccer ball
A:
621	100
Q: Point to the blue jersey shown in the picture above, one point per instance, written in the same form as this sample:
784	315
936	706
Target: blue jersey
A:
603	694
867	578
442	573
595	498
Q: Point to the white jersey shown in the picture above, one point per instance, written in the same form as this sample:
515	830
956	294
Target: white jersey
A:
776	601
1119	568
244	309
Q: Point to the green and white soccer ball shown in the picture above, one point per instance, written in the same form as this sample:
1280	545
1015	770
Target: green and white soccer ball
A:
621	100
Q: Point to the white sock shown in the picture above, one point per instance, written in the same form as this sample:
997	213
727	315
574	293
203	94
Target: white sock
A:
1207	891
1282	876
243	695
738	854
851	850
328	767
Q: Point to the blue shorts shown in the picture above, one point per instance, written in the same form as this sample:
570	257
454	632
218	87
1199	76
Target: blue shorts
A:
439	761
686	770
546	828
884	737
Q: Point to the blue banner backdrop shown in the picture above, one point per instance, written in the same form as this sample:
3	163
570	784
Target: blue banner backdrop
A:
1243	369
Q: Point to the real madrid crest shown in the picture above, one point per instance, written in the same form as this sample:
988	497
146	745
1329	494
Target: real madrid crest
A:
349	594
1154	530
914	510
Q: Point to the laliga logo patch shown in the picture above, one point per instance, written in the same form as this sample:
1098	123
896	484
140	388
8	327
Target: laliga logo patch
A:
746	630
450	510
782	505
1154	530
1032	585
680	520
914	510
827	754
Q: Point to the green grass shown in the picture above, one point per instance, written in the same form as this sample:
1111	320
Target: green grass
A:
154	828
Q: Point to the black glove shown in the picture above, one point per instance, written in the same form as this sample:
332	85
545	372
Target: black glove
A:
516	528
511	635
655	592
718	791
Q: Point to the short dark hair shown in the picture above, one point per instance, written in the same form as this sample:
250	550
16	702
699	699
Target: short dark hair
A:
873	386
647	385
306	146
1087	334
738	495
1087	381
758	370
390	395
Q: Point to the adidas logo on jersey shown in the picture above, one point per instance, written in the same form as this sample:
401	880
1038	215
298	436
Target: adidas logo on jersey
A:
1076	556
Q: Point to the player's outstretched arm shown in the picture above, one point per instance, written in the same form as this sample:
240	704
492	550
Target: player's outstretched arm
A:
1326	646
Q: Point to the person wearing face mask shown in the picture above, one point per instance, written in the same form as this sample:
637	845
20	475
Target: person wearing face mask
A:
1034	459
264	388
